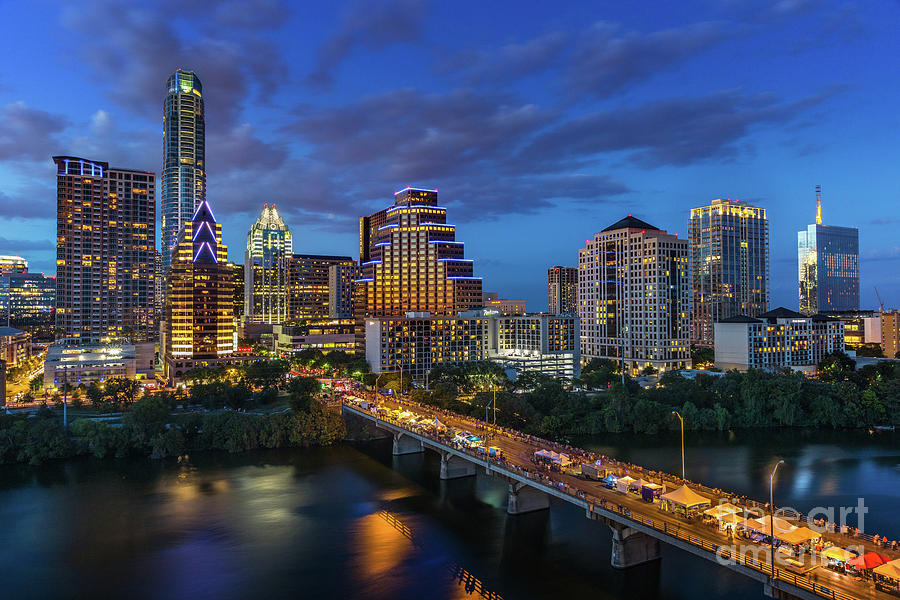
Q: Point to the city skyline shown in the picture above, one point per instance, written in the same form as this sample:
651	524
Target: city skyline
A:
760	144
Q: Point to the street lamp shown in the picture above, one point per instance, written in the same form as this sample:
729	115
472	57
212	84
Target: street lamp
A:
377	379
680	418
772	517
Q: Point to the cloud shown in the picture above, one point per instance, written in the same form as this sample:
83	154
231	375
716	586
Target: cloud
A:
509	62
678	131
28	133
30	204
14	246
372	25
607	59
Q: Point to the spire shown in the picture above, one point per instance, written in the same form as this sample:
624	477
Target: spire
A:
818	205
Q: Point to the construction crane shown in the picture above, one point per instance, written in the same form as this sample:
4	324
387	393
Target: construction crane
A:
877	295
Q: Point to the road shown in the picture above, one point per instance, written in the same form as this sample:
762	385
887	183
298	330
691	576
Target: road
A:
518	450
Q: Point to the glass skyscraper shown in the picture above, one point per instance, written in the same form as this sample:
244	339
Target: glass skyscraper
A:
828	260
184	157
729	264
269	247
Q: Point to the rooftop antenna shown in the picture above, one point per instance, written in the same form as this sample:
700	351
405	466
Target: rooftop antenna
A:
818	205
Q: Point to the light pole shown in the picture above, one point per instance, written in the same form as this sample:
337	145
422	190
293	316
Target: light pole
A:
377	379
772	518
65	397
680	418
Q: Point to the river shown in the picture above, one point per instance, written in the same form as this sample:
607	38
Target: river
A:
352	521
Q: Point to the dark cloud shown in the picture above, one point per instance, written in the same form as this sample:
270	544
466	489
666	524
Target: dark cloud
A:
30	203
608	59
680	131
14	246
241	149
371	25
28	133
509	62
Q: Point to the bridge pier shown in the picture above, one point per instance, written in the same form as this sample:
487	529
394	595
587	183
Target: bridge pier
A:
404	444
454	467
524	499
631	547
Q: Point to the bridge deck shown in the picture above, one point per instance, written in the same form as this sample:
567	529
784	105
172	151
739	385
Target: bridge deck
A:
602	503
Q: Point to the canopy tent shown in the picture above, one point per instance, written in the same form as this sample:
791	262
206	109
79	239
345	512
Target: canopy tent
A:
839	554
652	486
543	454
762	525
636	484
800	535
869	560
438	425
686	497
890	570
721	511
623	483
732	520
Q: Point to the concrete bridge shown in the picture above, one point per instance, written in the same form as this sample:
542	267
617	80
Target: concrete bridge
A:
637	529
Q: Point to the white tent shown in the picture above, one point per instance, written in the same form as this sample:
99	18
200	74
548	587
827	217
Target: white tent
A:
623	483
720	511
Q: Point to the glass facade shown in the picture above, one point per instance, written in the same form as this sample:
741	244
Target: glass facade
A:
562	290
729	243
308	284
28	302
828	260
184	157
269	248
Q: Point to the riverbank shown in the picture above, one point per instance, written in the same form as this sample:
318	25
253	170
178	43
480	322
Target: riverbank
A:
149	429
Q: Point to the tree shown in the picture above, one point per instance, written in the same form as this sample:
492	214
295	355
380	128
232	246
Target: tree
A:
266	373
649	371
146	419
302	391
115	393
835	367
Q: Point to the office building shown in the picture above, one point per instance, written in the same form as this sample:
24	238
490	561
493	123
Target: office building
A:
634	297
729	251
861	328
12	264
104	251
890	333
200	325
308	284
75	364
411	261
326	335
778	339
28	302
184	157
492	302
562	290
340	290
269	249
15	346
828	258
545	343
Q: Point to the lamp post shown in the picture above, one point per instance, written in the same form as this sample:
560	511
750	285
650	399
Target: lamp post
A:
772	517
377	379
680	418
65	398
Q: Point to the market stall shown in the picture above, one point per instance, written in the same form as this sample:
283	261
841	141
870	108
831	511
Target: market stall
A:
887	577
838	558
720	511
868	561
610	481
684	501
623	483
651	491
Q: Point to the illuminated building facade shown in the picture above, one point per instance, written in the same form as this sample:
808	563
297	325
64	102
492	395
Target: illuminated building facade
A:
410	261
105	233
15	346
28	301
546	343
12	264
562	290
890	333
269	249
308	284
828	260
184	157
200	325
326	335
729	245
340	290
634	297
71	363
778	339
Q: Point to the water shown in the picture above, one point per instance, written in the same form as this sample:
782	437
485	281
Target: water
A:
354	522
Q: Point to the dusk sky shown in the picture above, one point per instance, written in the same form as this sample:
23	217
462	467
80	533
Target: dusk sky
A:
539	123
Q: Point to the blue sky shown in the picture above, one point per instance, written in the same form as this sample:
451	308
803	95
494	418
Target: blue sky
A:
539	123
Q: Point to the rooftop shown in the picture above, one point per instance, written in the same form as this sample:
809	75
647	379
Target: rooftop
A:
630	222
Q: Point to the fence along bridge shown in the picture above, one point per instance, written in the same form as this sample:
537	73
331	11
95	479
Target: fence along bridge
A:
636	533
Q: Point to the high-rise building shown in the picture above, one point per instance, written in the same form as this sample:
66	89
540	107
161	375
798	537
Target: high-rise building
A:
828	259
28	302
410	260
340	290
105	234
729	242
562	290
492	302
890	333
200	325
634	297
269	249
184	157
308	284
13	264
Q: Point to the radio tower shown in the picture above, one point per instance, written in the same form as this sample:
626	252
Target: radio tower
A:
818	205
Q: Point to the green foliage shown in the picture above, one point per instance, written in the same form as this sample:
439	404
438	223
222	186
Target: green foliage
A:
116	393
301	391
470	377
266	373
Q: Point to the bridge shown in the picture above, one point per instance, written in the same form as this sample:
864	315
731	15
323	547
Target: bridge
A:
637	526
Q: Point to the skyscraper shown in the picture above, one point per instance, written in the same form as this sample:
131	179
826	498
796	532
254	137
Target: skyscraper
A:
184	156
828	260
308	284
634	297
410	260
105	235
729	264
269	248
199	320
340	290
562	290
13	264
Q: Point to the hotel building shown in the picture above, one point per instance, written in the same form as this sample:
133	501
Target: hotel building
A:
562	290
309	284
729	251
340	290
634	297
